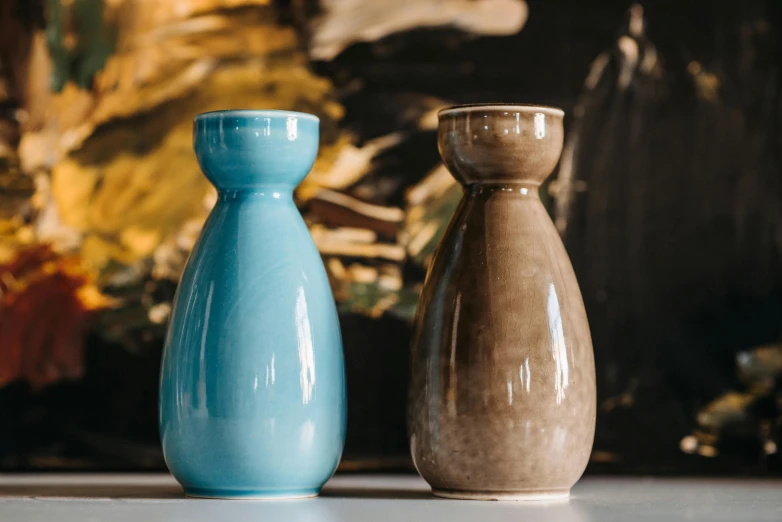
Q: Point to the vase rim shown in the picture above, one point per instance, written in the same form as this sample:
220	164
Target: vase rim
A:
256	113
497	107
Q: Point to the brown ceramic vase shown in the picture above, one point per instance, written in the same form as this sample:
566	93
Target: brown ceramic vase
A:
502	393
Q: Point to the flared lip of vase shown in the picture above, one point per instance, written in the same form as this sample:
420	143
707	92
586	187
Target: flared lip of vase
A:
255	113
501	107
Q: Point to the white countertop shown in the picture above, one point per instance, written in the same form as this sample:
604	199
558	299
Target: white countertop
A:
379	498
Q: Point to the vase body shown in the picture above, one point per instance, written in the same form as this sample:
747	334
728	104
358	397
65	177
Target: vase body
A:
252	390
502	400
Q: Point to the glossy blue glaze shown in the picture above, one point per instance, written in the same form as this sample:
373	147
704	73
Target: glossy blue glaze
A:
252	390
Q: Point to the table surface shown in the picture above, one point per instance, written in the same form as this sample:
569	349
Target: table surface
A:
379	498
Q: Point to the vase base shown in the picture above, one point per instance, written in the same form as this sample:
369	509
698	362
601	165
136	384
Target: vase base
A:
234	494
554	494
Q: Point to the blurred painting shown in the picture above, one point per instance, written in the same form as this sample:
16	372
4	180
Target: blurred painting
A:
668	198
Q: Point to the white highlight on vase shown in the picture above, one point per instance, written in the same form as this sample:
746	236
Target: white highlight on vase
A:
269	373
558	348
524	375
292	125
306	356
539	123
452	366
201	405
307	438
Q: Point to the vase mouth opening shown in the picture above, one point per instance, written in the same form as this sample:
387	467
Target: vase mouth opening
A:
255	113
500	108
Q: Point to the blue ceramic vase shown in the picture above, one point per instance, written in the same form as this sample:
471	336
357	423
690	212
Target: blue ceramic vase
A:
252	388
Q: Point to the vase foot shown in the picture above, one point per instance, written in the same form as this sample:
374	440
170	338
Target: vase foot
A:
554	494
250	494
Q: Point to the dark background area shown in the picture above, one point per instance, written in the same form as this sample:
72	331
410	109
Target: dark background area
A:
668	198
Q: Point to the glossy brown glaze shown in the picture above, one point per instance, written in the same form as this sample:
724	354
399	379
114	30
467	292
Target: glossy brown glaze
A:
502	398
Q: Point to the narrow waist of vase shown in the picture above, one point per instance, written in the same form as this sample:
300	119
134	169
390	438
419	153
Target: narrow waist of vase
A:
523	188
265	191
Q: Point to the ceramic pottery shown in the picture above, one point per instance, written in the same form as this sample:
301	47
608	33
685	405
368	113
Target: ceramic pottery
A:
252	390
502	398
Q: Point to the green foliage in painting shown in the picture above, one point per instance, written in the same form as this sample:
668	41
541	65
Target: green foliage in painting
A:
78	60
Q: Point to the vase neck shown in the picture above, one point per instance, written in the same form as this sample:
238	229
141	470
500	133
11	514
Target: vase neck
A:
271	192
523	189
